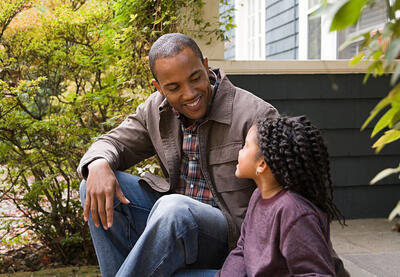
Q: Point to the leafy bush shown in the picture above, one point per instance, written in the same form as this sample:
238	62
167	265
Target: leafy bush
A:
71	70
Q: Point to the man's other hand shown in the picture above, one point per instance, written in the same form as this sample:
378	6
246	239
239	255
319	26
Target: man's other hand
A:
101	187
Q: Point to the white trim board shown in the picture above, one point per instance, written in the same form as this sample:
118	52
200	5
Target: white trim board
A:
288	67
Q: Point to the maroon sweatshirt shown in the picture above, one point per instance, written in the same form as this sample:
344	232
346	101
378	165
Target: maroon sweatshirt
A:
285	235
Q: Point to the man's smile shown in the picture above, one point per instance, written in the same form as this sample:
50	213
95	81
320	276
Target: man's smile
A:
195	103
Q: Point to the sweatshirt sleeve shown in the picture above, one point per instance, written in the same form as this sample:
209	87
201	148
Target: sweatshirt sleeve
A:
234	265
306	248
122	147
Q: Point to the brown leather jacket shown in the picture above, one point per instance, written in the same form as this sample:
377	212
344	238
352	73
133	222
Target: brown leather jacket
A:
155	130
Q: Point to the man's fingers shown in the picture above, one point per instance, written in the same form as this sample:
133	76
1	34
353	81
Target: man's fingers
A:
93	211
109	211
120	195
86	209
101	207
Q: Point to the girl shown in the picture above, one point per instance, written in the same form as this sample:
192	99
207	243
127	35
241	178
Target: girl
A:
286	228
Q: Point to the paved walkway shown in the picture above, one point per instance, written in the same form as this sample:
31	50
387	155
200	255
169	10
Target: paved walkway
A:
368	247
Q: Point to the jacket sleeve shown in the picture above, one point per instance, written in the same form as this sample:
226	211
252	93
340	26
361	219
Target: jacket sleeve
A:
306	249
234	264
124	146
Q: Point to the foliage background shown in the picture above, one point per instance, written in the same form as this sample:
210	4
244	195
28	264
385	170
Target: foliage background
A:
71	70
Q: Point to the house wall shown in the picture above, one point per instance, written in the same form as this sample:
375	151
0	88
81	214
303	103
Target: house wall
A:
229	53
281	29
338	104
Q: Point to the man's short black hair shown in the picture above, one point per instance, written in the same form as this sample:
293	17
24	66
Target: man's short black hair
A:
170	45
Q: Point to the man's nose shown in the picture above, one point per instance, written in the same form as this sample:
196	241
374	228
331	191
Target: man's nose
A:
189	92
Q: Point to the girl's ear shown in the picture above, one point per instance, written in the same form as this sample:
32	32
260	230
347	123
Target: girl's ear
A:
262	166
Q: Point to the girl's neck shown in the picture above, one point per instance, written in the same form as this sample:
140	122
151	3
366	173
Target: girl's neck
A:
267	185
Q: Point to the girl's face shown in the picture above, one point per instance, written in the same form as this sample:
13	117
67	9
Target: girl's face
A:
249	156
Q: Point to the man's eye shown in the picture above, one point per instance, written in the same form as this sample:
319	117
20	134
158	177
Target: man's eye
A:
196	78
173	89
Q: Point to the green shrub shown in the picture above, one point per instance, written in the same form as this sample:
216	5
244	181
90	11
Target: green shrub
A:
71	70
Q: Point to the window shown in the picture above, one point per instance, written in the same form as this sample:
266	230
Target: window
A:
313	31
371	19
250	42
314	38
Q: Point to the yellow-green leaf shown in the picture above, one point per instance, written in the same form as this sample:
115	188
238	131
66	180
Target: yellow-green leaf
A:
356	59
383	103
393	94
387	138
385	120
395	118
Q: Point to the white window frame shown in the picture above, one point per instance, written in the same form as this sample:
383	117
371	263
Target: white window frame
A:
328	39
243	37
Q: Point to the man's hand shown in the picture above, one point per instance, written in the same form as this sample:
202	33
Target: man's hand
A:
101	187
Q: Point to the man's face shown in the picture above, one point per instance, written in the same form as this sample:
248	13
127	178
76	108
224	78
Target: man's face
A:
183	80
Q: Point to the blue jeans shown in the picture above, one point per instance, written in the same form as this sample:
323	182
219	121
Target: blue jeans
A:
156	235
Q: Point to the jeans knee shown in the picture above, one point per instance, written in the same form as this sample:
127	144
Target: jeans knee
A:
82	192
172	210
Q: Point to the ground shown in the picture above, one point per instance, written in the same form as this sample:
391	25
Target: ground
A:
83	271
368	248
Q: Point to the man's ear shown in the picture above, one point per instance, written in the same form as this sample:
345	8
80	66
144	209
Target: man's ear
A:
157	85
205	63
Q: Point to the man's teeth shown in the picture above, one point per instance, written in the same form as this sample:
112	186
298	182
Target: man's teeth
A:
194	103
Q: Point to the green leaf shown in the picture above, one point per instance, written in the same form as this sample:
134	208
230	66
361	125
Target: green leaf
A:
348	14
356	59
378	70
395	120
370	69
382	104
393	50
377	55
384	121
392	97
395	211
384	173
366	77
395	74
388	137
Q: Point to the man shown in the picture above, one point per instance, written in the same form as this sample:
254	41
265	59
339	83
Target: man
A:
196	124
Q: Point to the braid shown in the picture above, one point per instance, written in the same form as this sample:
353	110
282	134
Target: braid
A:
298	158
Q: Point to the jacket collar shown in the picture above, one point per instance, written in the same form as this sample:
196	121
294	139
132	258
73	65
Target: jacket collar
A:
222	106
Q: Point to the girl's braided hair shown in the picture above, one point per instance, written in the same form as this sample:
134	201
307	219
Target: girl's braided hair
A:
298	158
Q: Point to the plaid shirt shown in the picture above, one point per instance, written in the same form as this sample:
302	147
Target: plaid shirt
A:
192	182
